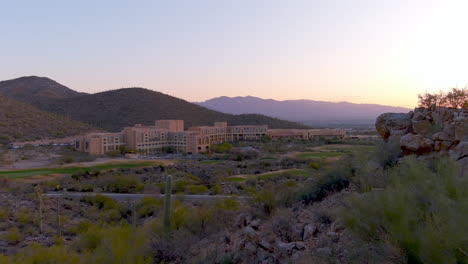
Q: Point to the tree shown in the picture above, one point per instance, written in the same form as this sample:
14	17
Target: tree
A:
456	98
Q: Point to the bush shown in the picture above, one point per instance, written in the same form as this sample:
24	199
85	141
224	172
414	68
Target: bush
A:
115	244
197	189
223	148
125	184
333	181
13	236
314	165
423	212
25	216
37	254
148	206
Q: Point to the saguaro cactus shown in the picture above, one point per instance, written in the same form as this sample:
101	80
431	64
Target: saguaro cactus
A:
167	205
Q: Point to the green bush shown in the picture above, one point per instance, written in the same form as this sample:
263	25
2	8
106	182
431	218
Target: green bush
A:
125	184
25	216
197	189
115	244
180	186
223	148
333	181
13	236
37	254
148	206
314	165
422	211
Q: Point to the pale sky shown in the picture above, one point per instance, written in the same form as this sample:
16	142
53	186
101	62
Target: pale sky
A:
362	51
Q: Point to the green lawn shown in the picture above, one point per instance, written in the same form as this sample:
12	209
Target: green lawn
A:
306	155
72	170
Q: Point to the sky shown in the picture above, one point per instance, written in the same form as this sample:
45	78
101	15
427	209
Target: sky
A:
361	51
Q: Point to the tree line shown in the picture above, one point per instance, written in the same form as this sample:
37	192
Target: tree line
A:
455	98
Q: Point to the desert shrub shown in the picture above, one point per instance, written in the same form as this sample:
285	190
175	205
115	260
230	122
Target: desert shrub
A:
386	154
25	216
266	199
216	189
197	189
13	236
124	184
4	214
114	244
180	186
148	207
227	204
314	165
281	224
333	181
37	254
223	148
422	211
102	201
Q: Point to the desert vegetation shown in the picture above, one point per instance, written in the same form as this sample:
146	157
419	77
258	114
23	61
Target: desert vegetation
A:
283	201
455	98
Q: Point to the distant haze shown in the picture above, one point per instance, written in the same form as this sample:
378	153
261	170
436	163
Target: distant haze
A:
306	111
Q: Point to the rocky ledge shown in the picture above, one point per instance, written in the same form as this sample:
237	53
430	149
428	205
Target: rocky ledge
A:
428	132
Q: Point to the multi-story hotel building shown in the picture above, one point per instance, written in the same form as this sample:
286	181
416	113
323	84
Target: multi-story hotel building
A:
170	135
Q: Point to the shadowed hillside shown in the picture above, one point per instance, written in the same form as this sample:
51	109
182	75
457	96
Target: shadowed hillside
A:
20	122
115	109
35	90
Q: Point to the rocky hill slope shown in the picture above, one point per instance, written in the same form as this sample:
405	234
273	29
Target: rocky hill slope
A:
429	132
115	109
21	122
35	90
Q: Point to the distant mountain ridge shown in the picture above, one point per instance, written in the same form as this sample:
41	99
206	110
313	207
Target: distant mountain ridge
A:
300	110
115	109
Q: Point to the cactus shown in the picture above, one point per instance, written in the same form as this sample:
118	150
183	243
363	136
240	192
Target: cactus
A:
167	205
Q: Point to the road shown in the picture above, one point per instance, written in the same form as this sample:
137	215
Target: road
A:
139	196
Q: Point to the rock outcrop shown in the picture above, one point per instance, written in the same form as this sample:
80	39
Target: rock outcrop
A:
438	132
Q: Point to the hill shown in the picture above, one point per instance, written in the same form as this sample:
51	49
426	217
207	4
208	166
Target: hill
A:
21	122
35	90
113	110
306	111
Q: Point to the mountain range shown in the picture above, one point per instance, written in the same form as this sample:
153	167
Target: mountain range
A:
115	109
305	111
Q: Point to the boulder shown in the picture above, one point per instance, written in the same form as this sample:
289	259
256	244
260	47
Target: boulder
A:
393	124
286	248
443	145
442	114
422	126
460	151
416	143
309	232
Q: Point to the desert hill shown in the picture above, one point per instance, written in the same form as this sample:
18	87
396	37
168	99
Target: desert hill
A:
115	109
21	122
35	90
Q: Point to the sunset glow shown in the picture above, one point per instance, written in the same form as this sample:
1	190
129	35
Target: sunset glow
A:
383	52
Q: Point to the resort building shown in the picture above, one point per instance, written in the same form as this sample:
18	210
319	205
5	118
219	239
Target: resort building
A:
170	136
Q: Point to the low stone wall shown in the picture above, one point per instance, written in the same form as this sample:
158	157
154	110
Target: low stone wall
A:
438	132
